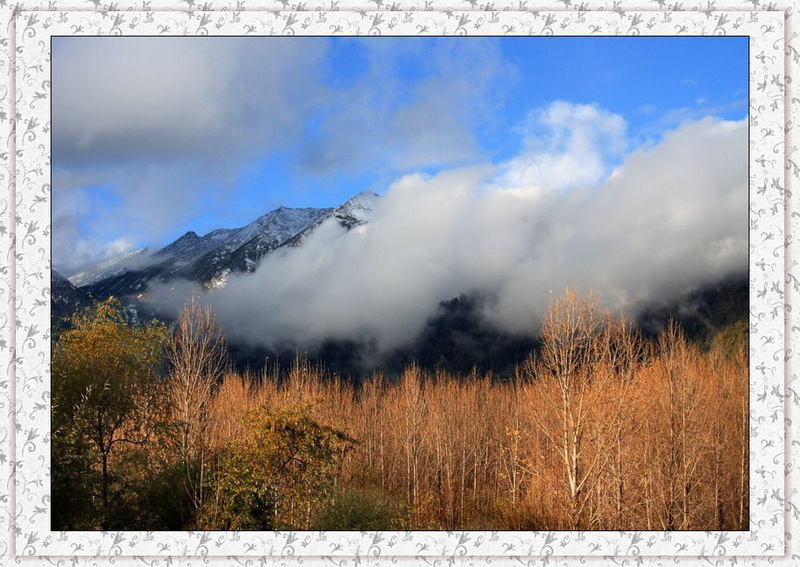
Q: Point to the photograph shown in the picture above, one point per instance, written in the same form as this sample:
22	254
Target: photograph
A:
400	283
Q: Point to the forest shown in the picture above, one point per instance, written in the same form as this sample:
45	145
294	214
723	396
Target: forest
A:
600	428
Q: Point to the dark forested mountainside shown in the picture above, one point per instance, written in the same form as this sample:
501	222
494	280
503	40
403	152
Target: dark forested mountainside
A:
66	299
458	340
704	311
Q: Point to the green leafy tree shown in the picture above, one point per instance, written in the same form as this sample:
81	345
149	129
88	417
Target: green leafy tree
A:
105	373
278	475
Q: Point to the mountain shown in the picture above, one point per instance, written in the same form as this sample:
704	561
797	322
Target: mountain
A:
458	339
210	260
703	311
110	268
189	247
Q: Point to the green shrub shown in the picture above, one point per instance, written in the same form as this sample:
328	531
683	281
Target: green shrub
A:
732	339
355	509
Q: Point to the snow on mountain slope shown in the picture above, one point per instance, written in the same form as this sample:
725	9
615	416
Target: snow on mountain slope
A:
280	224
189	247
357	210
244	247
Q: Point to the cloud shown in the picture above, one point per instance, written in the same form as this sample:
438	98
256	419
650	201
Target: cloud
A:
567	146
670	217
124	100
343	285
76	245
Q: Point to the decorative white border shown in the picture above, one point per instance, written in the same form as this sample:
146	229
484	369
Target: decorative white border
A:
24	340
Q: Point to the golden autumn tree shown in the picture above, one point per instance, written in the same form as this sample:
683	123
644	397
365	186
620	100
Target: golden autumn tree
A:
104	375
583	378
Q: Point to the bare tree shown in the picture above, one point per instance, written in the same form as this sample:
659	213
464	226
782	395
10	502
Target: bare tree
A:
583	376
414	403
197	353
625	355
569	355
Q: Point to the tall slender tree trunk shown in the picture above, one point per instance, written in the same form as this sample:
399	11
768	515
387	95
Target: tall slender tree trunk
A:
104	491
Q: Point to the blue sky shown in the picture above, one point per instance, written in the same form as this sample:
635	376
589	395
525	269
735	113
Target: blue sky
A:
153	137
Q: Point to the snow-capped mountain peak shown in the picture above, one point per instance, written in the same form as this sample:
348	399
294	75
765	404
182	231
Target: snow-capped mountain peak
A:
189	246
357	210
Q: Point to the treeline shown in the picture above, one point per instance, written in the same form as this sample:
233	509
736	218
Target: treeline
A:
599	429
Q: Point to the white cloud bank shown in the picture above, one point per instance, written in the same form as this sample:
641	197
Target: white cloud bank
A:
670	217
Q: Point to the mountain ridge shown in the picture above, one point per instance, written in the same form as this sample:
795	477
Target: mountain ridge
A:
210	259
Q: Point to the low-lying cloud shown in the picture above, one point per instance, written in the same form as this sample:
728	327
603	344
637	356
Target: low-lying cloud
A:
671	216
